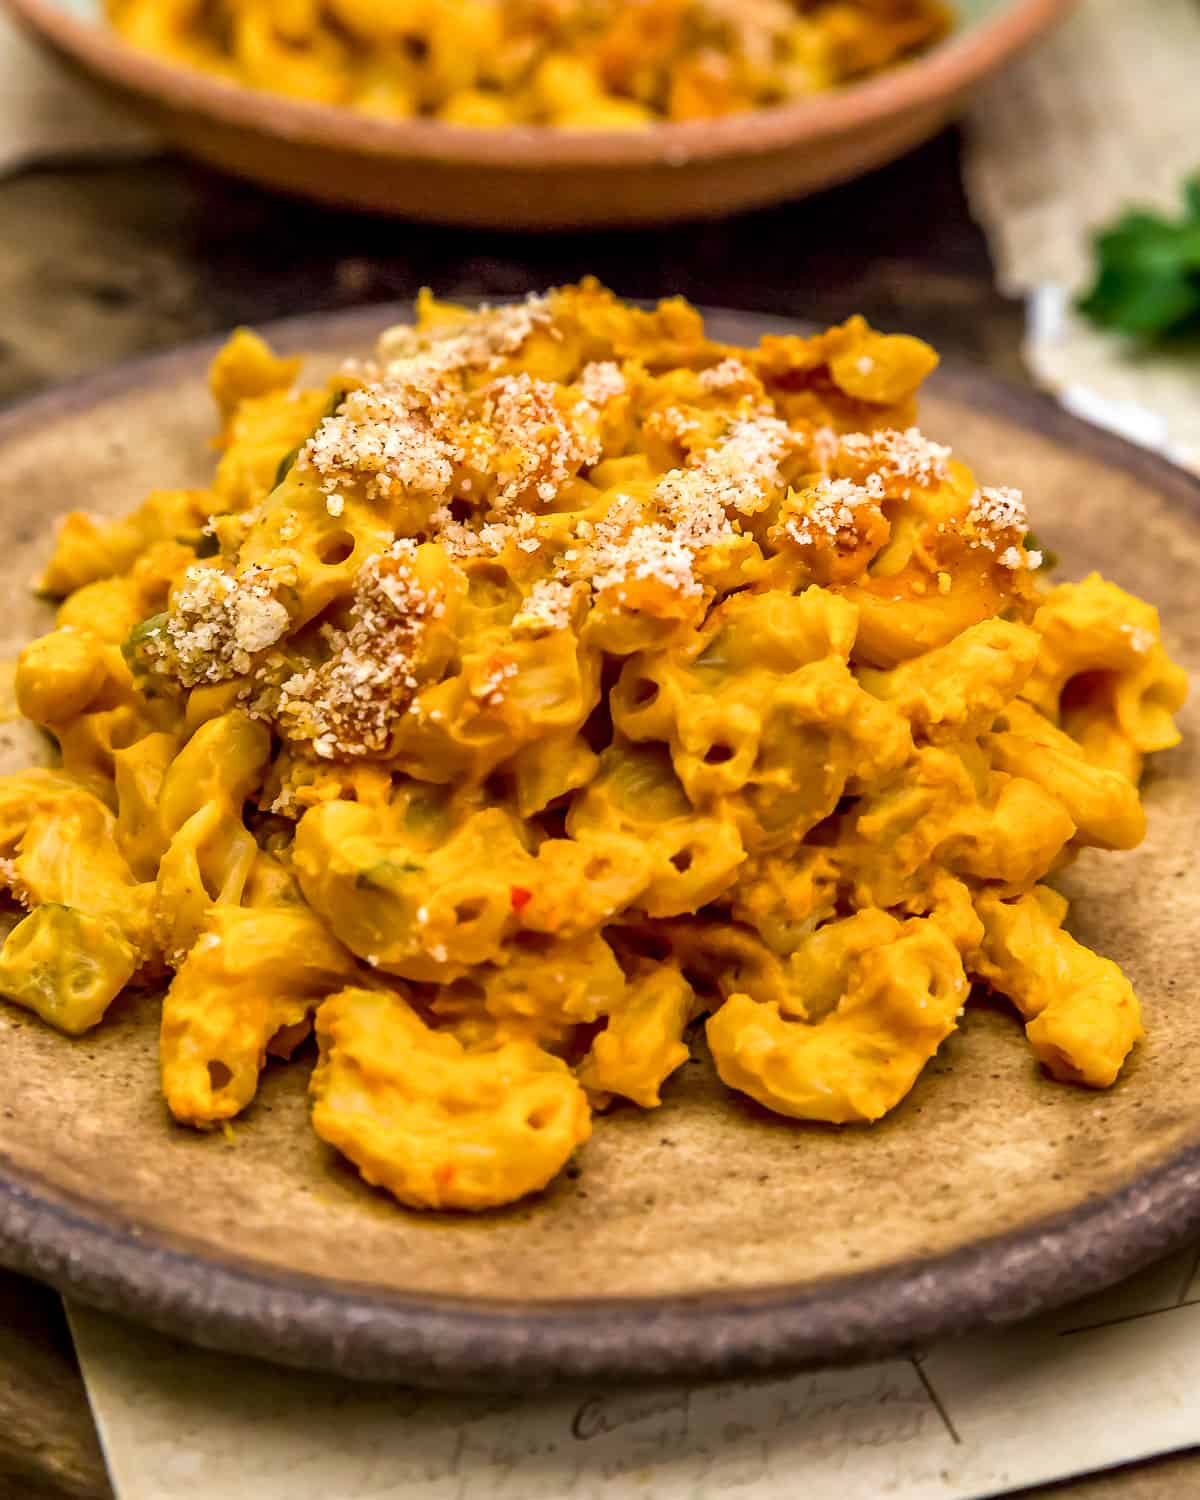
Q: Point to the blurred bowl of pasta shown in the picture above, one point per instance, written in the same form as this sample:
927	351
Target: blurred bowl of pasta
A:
541	114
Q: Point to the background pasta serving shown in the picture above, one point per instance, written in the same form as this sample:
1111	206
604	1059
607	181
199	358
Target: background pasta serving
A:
590	64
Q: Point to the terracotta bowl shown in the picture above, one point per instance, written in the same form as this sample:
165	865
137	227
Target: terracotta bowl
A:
538	178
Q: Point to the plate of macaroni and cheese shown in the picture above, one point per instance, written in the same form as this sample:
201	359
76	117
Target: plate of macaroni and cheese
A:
536	115
575	839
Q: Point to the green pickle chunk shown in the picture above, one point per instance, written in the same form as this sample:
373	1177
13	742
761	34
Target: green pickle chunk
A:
66	966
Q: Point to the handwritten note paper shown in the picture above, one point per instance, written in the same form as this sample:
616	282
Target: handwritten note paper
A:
1099	1383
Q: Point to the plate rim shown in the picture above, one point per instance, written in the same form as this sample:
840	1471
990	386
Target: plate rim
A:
233	1303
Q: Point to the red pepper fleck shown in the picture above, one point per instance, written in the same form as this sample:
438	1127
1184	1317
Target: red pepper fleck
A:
520	897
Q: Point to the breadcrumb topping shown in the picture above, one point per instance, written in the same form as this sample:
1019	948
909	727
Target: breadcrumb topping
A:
906	457
394	436
828	513
994	514
690	508
497	455
826	445
481	341
546	607
350	703
617	557
999	509
538	445
729	374
402	432
602	382
489	540
219	622
672	423
741	473
690	505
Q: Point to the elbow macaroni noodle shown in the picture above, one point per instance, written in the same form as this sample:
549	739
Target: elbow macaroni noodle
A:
575	64
553	681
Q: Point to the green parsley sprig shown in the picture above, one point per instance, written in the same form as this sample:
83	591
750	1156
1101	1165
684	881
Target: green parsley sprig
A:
1148	273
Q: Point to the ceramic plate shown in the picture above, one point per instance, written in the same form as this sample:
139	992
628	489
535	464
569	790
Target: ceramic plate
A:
531	178
704	1238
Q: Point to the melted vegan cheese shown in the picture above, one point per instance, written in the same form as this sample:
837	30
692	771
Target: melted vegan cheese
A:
553	680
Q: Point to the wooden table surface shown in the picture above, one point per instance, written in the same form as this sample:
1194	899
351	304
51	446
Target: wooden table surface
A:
98	264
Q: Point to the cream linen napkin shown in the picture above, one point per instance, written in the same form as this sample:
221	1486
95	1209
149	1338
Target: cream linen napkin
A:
1107	114
46	115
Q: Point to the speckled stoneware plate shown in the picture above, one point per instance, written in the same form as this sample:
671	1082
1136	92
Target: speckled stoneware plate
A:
702	1239
523	177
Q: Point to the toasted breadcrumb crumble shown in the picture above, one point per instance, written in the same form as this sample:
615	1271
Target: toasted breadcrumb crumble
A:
546	607
220	623
349	704
602	382
729	373
396	435
999	509
896	455
538	445
442	416
829	514
481	341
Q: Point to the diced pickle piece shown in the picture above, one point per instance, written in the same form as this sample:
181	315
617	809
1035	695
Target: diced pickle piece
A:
66	966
